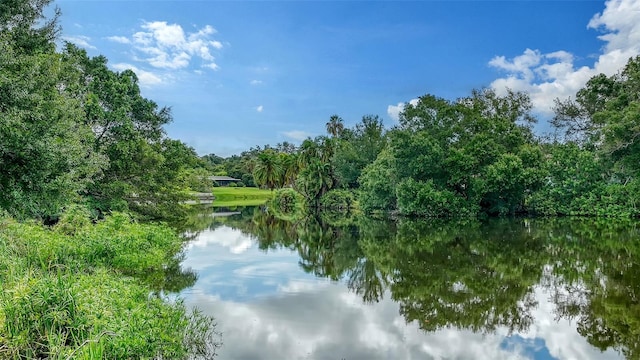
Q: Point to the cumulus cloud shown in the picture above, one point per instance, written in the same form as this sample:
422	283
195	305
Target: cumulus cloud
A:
255	82
394	110
80	40
260	108
169	46
547	76
146	78
119	39
298	135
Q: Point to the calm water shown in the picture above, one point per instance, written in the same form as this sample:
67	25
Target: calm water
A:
336	287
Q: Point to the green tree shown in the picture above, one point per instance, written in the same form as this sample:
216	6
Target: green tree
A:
377	184
45	149
144	165
357	148
473	154
335	126
24	25
268	170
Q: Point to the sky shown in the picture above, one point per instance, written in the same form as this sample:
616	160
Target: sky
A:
243	73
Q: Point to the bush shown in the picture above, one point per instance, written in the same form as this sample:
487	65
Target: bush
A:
337	200
417	198
232	184
287	200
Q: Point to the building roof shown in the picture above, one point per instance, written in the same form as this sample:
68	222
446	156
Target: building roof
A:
222	178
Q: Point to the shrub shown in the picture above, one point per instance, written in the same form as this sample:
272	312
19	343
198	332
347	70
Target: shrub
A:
337	200
417	198
287	200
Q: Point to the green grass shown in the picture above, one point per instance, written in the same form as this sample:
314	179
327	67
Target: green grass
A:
75	291
240	196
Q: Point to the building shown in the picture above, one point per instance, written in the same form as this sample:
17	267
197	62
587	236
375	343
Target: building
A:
223	180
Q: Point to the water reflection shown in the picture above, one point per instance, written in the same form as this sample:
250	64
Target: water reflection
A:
356	288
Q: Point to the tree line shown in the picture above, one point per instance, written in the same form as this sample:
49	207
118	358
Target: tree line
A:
476	155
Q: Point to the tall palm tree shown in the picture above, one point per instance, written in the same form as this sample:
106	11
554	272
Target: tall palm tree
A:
268	169
335	125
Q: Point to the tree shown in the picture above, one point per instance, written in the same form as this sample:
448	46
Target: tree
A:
144	168
46	155
268	170
460	157
24	25
335	126
606	112
358	148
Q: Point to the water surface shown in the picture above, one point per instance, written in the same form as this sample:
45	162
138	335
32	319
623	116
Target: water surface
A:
338	287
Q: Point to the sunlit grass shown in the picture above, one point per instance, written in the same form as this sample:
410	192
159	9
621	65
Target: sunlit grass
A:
240	196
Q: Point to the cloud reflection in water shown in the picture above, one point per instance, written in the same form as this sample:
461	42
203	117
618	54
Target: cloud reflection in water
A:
268	308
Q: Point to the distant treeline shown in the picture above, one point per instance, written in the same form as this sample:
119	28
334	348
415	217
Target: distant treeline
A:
472	156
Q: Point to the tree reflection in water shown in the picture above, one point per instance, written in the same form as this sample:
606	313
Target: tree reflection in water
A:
475	275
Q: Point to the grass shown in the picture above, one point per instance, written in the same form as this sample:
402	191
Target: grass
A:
240	196
73	291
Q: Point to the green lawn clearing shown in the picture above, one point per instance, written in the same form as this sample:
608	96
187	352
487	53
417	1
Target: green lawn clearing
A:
240	196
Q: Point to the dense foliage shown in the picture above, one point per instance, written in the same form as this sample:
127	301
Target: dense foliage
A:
74	131
478	155
78	143
81	290
472	156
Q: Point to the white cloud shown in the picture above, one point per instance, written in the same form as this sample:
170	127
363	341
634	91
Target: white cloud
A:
168	46
553	75
235	241
296	134
260	108
119	39
394	110
146	78
212	66
255	82
80	40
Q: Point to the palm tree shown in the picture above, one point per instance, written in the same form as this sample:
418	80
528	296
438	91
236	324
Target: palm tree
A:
268	169
290	168
308	151
335	125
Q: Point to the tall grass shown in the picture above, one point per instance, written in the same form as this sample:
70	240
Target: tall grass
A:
74	292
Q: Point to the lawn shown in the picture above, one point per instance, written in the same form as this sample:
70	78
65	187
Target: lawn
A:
240	196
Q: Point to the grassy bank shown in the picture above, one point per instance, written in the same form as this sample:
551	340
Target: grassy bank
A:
76	291
240	196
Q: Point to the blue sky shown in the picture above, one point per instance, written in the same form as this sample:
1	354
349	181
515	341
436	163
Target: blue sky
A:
245	73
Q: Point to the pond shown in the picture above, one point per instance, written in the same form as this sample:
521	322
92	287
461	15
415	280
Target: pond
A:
342	287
